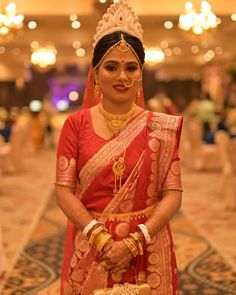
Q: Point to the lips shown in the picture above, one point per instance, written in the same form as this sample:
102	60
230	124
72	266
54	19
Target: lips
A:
120	88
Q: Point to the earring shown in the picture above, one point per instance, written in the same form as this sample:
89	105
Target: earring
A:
138	94
97	90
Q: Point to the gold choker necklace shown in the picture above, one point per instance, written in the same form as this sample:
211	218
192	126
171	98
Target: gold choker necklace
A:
116	123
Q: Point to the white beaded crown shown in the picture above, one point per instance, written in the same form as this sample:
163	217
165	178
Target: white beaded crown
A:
119	17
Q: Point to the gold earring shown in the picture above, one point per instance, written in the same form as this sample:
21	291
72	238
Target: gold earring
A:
97	90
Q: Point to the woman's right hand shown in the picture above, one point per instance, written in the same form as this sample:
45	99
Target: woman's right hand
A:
115	256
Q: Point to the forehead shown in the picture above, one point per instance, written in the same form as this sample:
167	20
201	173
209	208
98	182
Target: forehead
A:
117	55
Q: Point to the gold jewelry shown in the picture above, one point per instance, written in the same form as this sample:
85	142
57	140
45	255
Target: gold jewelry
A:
118	168
116	123
130	245
119	17
97	90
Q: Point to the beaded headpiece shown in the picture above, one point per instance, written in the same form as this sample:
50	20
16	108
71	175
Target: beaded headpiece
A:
119	17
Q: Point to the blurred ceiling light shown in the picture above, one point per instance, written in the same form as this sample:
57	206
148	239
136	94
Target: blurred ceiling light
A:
177	50
35	105
102	1
164	44
233	17
2	49
73	95
73	17
168	52
168	25
76	44
34	44
62	105
209	55
195	49
44	57
76	24
198	22
80	52
219	50
10	20
32	25
154	55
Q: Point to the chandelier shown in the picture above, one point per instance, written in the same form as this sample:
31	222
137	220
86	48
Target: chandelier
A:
198	22
10	21
43	58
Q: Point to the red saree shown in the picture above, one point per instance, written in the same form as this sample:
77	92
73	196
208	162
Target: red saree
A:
152	165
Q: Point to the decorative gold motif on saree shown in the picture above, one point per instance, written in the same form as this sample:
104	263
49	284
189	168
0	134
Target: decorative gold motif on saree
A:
154	280
154	144
126	206
122	229
66	172
153	258
78	275
83	245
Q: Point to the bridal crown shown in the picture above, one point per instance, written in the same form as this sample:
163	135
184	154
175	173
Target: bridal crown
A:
119	17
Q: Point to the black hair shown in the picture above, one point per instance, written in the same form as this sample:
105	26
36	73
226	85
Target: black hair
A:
109	40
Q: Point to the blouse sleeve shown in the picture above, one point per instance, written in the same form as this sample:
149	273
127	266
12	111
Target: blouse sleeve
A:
173	178
67	153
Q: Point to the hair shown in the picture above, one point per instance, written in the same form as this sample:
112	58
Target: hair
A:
109	40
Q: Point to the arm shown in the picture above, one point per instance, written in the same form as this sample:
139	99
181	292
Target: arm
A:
164	211
72	207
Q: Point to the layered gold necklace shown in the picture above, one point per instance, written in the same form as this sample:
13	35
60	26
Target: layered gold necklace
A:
116	123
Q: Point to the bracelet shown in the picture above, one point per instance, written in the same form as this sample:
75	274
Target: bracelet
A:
102	240
137	239
95	233
144	230
88	227
129	244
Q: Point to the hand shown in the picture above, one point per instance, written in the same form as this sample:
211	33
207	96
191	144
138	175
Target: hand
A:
116	256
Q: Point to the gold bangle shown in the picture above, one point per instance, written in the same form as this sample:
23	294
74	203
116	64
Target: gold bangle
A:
130	246
94	233
136	237
102	241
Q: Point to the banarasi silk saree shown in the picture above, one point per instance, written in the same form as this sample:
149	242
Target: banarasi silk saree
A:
150	142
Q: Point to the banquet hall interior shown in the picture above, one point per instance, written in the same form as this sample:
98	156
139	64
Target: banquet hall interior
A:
190	70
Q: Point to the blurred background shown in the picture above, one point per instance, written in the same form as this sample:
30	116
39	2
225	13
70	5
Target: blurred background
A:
190	69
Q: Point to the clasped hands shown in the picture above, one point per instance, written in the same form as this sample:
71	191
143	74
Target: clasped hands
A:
115	256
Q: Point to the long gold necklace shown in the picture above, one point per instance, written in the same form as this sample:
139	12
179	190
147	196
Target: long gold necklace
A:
116	123
118	168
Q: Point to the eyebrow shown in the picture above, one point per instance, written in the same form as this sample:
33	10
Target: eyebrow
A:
132	62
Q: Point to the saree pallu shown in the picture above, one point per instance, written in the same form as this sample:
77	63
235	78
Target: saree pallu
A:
150	143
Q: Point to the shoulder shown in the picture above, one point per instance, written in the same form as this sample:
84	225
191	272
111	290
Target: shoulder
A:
75	119
165	121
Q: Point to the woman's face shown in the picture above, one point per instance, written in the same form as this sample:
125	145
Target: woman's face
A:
118	70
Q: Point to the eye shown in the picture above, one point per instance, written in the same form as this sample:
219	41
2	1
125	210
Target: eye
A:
132	68
110	68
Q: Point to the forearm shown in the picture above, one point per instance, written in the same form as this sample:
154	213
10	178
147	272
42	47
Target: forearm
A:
164	211
72	207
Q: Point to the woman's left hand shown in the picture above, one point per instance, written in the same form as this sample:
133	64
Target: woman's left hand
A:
116	256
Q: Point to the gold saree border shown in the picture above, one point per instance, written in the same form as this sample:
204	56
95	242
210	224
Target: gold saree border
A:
104	216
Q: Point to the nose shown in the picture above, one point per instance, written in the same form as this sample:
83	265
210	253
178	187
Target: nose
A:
123	75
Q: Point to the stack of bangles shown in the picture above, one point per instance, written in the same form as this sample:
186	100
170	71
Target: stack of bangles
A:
96	234
136	241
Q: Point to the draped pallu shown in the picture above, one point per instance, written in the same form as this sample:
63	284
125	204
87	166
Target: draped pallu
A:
84	162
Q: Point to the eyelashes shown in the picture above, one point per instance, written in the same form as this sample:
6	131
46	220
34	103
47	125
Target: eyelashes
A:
112	68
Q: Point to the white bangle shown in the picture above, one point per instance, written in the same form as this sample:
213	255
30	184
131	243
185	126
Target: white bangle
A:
145	233
88	227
